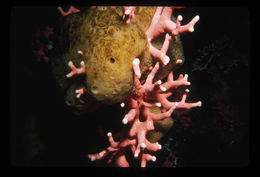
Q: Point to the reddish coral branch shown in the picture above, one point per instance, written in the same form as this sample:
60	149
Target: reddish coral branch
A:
148	95
161	54
116	150
75	70
80	92
71	10
161	22
145	158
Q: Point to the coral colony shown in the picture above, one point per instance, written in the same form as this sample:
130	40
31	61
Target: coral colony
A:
148	94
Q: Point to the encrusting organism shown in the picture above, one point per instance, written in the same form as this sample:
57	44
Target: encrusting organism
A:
123	54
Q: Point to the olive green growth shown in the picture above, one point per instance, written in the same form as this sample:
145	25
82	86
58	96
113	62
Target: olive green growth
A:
108	46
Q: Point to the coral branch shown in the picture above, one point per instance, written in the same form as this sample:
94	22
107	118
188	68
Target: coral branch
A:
139	130
71	10
161	22
189	27
75	70
121	161
182	103
140	105
111	140
161	54
175	83
145	158
168	113
136	67
79	92
130	116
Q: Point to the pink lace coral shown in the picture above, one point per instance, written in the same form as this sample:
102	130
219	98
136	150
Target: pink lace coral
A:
71	10
161	22
148	95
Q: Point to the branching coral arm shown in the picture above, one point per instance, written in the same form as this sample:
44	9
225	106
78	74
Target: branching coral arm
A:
79	92
183	104
152	146
75	70
162	22
148	86
136	68
162	97
140	129
98	156
188	27
160	116
161	54
111	140
130	116
121	161
175	83
71	10
147	157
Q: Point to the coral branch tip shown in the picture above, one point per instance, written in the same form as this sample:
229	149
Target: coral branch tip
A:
136	61
191	29
166	60
80	52
179	61
125	121
143	145
109	134
127	12
163	88
197	17
153	158
136	155
158	104
179	18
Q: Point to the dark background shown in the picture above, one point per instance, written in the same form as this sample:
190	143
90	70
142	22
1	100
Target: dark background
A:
217	59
